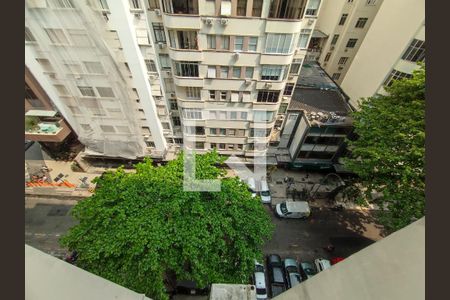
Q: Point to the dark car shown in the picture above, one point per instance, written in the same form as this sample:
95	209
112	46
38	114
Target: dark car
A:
277	282
307	269
188	287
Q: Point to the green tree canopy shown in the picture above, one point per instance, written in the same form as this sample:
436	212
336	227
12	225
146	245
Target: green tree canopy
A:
142	230
389	152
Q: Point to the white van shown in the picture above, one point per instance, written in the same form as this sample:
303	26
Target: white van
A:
265	192
251	182
293	210
322	264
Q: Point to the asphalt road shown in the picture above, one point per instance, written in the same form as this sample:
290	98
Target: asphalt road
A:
349	231
44	224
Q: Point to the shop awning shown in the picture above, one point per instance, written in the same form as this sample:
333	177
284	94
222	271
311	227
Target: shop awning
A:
318	34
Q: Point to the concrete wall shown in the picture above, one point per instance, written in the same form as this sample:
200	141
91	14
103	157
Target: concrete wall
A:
388	37
392	268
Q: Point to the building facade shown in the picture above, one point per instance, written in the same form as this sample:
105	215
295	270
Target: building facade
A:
139	78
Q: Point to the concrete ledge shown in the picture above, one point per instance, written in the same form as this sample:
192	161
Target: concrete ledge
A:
46	192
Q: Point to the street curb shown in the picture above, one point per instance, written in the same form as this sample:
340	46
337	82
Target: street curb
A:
64	195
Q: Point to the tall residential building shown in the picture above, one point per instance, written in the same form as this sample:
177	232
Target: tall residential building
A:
364	44
138	78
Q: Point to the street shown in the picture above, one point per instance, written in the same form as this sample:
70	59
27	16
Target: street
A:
349	231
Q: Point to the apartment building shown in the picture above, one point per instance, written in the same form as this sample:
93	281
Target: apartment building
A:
364	44
138	78
392	49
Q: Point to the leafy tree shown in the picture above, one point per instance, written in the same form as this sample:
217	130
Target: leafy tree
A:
389	152
143	231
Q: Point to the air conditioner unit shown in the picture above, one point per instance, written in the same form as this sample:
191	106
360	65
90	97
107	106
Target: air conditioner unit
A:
247	82
208	21
137	15
340	67
172	95
161	45
152	77
158	12
346	49
268	85
224	21
236	54
146	136
290	77
76	76
310	21
332	48
285	98
325	64
52	75
168	73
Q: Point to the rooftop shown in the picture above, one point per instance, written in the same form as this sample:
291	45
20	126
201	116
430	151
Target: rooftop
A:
313	76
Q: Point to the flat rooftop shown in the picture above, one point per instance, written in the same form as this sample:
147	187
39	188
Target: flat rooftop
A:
313	76
317	100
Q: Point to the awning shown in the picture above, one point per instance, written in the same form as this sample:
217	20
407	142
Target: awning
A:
318	34
40	113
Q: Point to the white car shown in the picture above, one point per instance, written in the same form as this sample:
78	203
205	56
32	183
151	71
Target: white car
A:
265	192
322	264
293	210
251	182
259	279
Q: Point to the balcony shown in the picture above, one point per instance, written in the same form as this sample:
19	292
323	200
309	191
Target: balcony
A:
45	126
181	7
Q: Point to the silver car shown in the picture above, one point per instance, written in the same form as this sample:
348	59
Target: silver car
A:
259	279
292	272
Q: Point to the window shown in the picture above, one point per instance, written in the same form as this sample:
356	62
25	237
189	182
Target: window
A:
158	30
295	66
29	37
186	68
249	72
327	57
224	95
151	67
193	92
224	71
336	76
343	18
288	9
351	43
272	72
334	40
73	68
304	38
236	72
213	145
173	104
176	121
57	36
371	2
252	43
313	7
165	61
288	89
94	107
186	39
225	42
169	84
283	108
150	144
263	116
93	67
260	132
225	7
87	91
107	128
192	114
178	140
257	8
62	4
180	6
278	43
268	96
152	4
238	43
79	38
241	7
105	92
165	125
211	41
342	60
212	95
396	75
135	4
361	22
222	146
415	51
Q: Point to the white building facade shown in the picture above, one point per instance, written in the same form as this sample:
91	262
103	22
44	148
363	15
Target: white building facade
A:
137	78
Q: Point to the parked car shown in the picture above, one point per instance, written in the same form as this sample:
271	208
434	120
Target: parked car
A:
307	270
188	287
277	282
322	264
335	260
251	182
265	192
259	280
293	210
292	272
